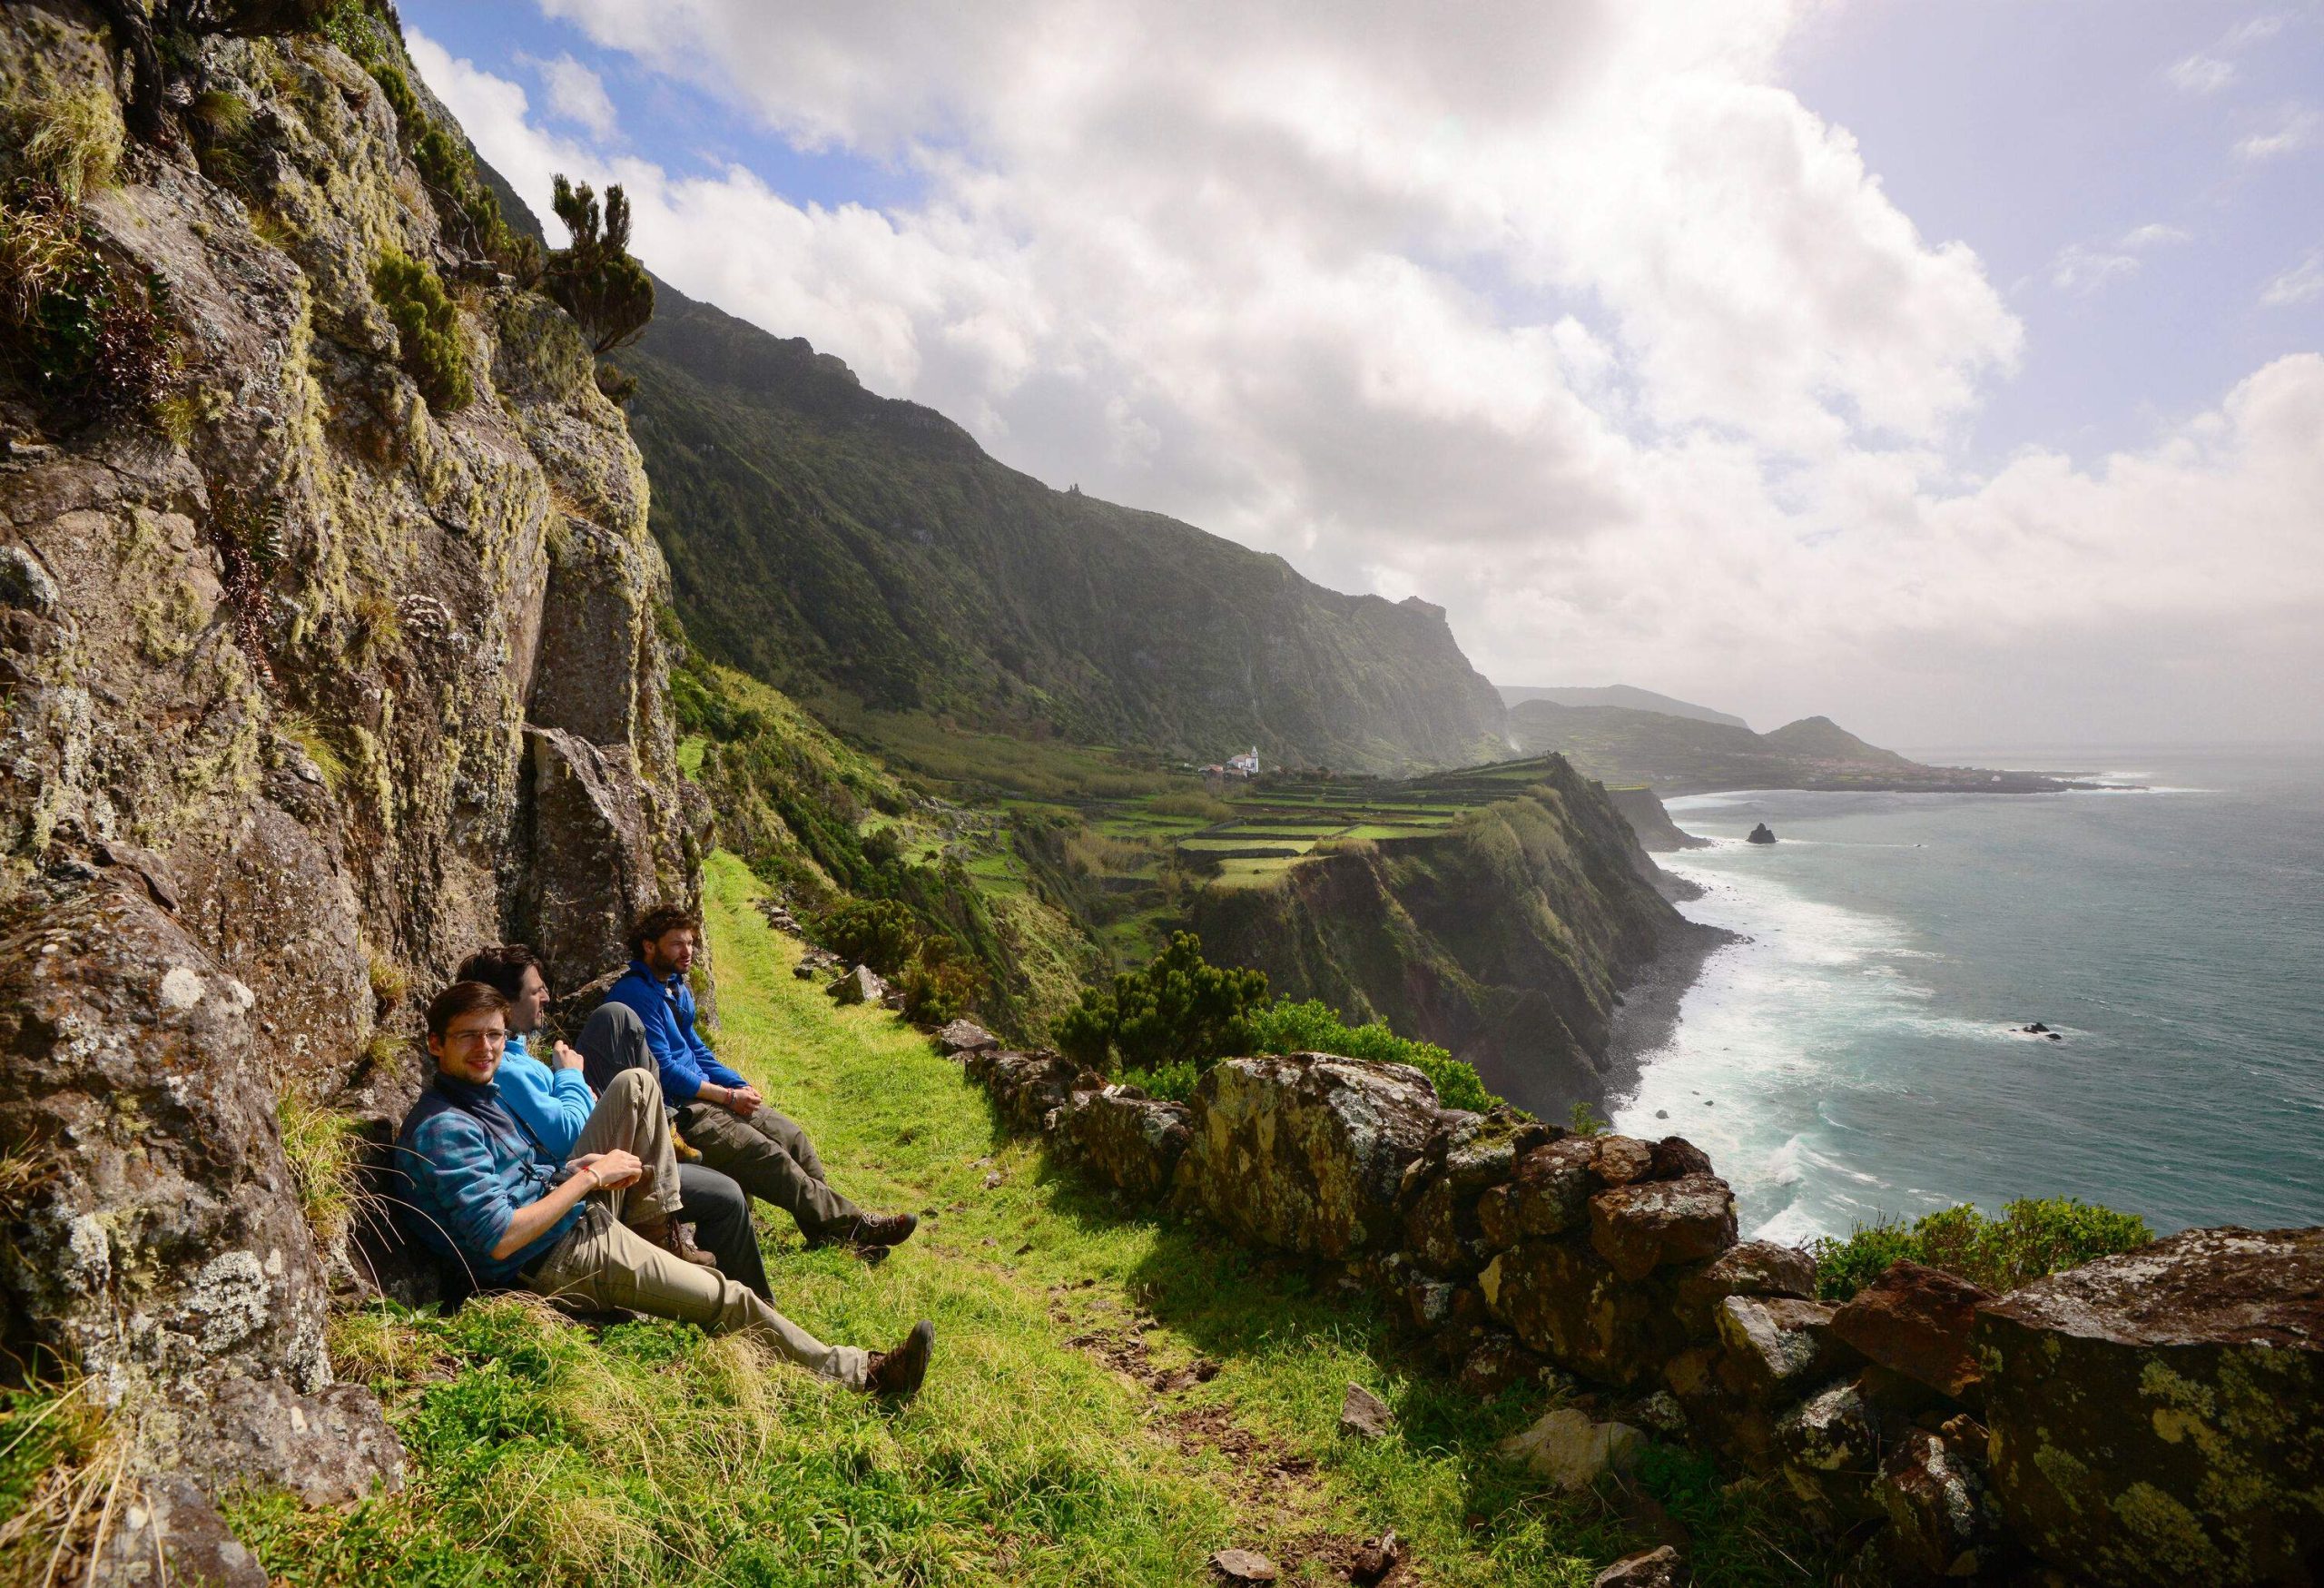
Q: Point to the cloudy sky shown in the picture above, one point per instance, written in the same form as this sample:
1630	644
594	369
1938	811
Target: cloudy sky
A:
1955	368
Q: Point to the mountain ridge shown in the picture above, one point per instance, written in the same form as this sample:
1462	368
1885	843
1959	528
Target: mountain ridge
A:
826	538
1626	695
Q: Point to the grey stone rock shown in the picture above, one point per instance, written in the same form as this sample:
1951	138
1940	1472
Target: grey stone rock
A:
1365	1415
1829	1445
1774	1348
1660	1567
965	1036
1638	1229
1242	1566
169	1532
1131	1143
1308	1153
1944	1523
1574	1450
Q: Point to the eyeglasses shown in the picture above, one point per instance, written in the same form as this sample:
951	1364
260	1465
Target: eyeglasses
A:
487	1038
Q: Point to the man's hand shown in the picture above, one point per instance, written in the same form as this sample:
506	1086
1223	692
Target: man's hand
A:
744	1100
610	1168
568	1057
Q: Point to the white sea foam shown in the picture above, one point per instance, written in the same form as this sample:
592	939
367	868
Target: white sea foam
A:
1772	1028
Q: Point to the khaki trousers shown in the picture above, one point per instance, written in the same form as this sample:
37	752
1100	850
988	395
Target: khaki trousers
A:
630	1118
770	1157
604	1264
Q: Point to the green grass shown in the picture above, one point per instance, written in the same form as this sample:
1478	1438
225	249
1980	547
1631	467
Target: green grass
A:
2035	1236
541	1451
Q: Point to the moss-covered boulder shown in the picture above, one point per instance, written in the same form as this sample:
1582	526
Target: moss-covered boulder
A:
2158	1417
1308	1152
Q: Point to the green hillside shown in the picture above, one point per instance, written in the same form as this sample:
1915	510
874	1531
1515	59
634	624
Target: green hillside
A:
1058	1440
865	555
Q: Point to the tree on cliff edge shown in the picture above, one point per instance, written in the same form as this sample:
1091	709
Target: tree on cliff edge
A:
595	278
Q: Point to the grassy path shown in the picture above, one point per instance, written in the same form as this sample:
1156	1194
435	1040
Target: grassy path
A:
1113	1397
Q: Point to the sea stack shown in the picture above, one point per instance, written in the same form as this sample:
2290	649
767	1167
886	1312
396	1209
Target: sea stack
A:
1762	835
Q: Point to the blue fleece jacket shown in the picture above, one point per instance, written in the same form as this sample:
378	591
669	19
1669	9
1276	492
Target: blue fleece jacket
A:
554	1103
471	1164
665	1008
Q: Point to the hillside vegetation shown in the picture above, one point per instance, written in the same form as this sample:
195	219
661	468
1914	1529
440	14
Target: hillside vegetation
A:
865	553
1114	1396
1685	755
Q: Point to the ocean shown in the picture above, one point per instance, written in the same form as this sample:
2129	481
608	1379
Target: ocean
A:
1856	1058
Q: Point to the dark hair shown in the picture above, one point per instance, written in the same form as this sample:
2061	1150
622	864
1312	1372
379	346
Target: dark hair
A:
502	968
656	922
463	998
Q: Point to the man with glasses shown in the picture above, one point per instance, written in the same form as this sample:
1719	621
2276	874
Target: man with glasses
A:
487	1195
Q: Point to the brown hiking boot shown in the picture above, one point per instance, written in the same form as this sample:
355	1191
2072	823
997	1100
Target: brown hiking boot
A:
869	1234
895	1375
677	1239
687	1152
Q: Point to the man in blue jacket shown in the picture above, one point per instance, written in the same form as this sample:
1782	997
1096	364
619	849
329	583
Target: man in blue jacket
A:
488	1195
722	1115
547	1093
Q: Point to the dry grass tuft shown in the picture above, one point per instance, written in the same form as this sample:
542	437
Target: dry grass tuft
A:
71	139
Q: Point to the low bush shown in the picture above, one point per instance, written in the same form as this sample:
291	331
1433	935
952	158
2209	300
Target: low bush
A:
77	330
69	139
427	326
2034	1236
1209	807
1285	1027
1178	1008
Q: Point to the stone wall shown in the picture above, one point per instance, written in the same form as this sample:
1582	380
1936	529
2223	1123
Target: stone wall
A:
312	687
2153	1418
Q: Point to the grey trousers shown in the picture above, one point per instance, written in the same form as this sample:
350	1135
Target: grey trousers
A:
603	1263
720	1212
768	1155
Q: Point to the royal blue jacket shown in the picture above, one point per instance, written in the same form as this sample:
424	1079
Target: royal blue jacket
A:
471	1164
666	1010
554	1103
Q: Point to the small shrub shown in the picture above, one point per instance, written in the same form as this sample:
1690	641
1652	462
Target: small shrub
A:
71	140
879	933
1179	1009
936	990
595	278
1584	1122
2034	1236
427	326
389	984
75	328
1172	1083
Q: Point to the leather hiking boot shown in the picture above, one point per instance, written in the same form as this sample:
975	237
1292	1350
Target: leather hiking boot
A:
895	1375
677	1239
687	1152
884	1228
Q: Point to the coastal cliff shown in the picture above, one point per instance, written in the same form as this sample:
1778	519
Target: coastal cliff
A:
1507	939
330	642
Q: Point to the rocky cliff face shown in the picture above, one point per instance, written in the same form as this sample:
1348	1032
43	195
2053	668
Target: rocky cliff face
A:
1507	940
315	682
823	537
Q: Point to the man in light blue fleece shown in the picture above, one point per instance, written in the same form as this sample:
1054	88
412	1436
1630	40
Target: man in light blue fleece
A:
551	1099
721	1114
488	1193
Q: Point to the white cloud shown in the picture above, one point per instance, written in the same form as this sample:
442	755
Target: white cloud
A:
2155	234
2252	31
2084	270
576	95
1565	317
2289	129
2304	283
2202	73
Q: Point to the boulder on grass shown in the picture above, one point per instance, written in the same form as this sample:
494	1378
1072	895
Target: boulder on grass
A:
1308	1152
965	1036
1131	1141
2159	1416
1916	1320
1655	1568
1638	1229
1572	1449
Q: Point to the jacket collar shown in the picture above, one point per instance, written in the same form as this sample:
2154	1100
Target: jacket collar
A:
641	968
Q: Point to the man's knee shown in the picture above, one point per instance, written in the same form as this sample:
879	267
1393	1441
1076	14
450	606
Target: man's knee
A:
639	1088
